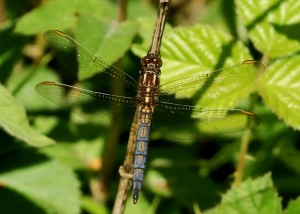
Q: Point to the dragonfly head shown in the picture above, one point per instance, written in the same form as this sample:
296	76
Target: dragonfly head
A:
151	60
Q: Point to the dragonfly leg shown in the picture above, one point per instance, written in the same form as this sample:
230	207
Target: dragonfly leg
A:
124	174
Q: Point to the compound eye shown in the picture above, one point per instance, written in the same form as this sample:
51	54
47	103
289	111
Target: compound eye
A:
144	61
157	61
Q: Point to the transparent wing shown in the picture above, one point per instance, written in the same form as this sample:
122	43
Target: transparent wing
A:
187	122
75	57
210	86
92	106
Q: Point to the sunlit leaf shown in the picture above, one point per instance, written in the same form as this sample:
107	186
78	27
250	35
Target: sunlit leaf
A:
272	25
280	89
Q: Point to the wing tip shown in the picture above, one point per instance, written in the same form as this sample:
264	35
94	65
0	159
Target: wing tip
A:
254	120
258	64
43	84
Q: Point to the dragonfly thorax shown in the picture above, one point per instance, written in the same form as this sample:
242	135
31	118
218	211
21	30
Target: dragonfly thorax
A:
148	89
149	81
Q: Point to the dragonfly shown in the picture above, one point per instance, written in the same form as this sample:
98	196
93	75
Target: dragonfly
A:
151	97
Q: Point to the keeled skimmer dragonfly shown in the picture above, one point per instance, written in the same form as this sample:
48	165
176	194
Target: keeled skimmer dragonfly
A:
151	95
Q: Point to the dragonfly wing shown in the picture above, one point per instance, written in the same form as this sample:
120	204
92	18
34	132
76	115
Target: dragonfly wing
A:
211	86
76	57
92	106
186	122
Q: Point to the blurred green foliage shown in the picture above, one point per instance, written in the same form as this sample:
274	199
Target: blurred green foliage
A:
39	177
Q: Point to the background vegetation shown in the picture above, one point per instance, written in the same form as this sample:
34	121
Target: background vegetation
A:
52	162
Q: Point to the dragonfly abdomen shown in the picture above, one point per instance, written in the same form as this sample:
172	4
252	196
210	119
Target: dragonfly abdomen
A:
141	150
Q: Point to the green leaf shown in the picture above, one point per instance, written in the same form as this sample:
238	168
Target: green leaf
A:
11	49
140	9
103	40
293	207
72	53
190	51
142	205
45	182
91	206
252	196
61	14
14	121
76	156
167	176
272	25
166	182
23	83
146	25
58	14
280	89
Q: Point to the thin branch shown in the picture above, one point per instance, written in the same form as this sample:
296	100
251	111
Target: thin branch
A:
159	28
126	170
122	10
239	172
